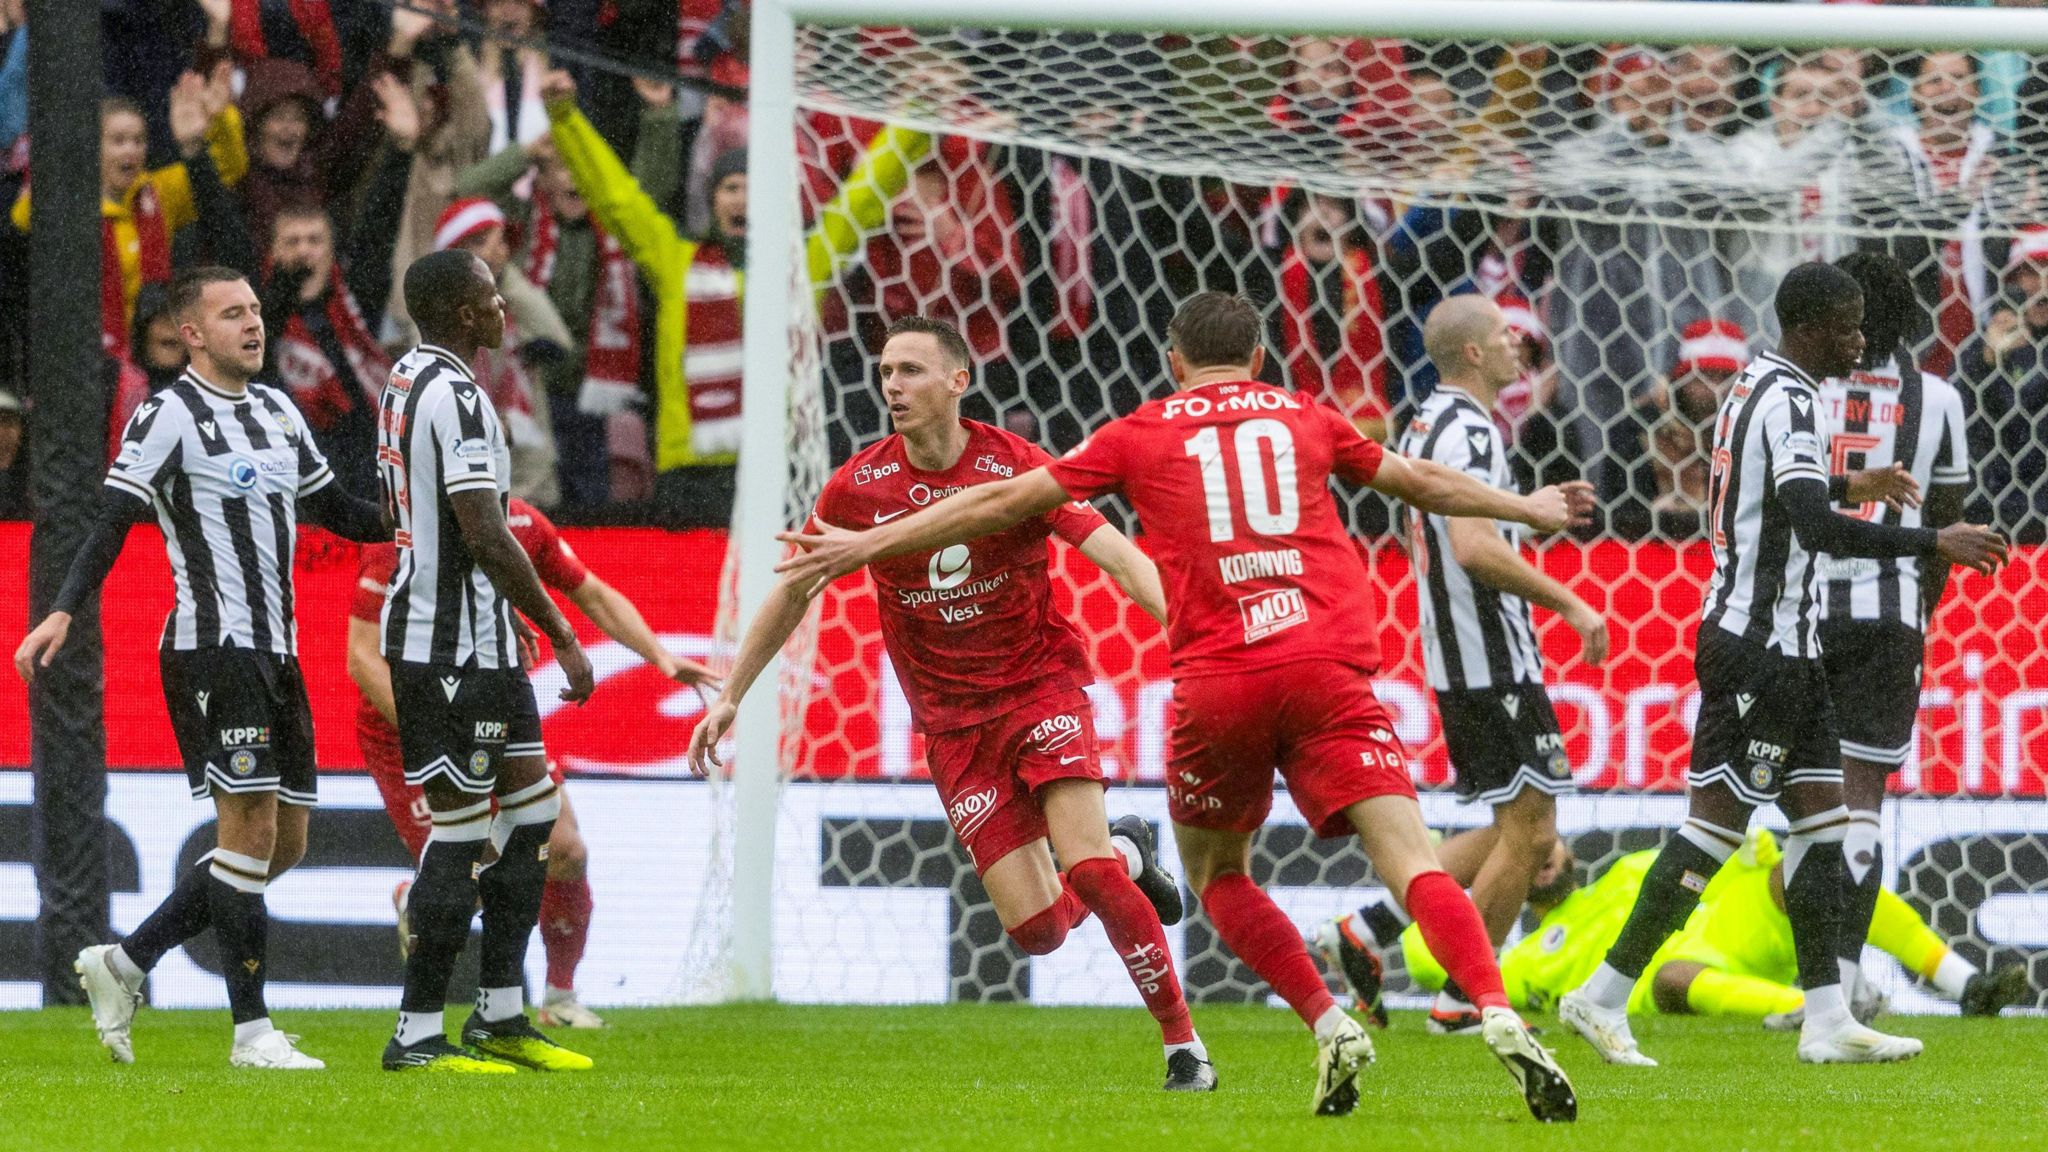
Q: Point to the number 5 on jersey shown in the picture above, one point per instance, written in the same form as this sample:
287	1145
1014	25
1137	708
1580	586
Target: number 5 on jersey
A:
1270	509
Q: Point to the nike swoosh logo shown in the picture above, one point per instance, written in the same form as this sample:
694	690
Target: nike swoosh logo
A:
1071	759
881	519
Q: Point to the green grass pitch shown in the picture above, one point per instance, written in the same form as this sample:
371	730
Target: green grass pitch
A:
996	1079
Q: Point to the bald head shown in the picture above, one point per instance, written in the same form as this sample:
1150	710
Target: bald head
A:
1468	339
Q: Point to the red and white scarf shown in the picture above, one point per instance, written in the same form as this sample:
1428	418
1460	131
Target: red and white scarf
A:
153	235
611	360
316	386
713	361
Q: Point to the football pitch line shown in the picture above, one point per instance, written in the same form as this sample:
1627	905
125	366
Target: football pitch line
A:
995	1079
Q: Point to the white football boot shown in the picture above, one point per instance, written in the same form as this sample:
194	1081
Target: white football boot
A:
1606	1030
113	1002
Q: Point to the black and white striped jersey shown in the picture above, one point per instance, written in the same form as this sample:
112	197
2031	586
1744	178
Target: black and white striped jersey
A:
225	472
1473	636
1769	433
1875	419
438	435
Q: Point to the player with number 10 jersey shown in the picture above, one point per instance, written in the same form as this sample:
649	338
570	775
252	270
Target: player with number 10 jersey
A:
1271	632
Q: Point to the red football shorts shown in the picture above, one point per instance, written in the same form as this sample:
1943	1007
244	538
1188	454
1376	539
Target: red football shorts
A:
1316	721
405	803
986	774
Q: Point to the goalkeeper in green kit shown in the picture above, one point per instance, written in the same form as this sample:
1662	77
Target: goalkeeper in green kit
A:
1733	957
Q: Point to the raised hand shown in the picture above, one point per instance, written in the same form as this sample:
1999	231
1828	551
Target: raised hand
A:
409	27
653	93
219	91
188	113
557	85
397	110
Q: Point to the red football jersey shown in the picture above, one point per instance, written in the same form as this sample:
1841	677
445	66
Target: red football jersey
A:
971	629
1229	483
553	560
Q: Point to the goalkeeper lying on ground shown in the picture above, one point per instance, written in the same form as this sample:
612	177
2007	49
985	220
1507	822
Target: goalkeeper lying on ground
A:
1732	958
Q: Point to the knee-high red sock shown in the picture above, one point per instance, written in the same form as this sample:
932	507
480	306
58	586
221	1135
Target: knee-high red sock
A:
564	928
1046	931
1456	937
1264	938
1134	930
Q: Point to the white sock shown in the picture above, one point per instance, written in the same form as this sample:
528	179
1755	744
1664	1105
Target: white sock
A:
251	1031
1134	860
1609	989
1826	1010
1332	1019
1952	974
1852	975
495	1004
414	1027
554	995
1194	1046
130	975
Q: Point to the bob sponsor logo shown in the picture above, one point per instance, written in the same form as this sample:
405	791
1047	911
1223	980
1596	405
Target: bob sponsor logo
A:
867	472
993	466
1269	612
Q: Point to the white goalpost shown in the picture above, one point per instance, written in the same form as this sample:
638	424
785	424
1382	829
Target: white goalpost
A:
1197	138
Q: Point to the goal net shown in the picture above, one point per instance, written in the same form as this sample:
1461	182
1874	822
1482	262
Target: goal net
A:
1056	193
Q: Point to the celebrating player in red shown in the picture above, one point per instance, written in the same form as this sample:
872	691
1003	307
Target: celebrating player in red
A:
1271	630
565	903
994	676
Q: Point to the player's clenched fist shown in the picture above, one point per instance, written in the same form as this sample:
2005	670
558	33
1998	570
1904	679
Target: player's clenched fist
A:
1560	506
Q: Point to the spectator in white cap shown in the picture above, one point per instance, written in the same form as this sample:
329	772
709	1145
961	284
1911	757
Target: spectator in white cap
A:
534	337
2002	373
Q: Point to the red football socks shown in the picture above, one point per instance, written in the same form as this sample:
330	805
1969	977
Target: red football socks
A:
1265	939
1456	937
1133	928
564	928
1048	930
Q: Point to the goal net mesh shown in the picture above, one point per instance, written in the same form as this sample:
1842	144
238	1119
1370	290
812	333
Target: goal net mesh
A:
1054	194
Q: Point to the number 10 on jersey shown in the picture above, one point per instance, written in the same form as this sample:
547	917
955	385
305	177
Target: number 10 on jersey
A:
1271	509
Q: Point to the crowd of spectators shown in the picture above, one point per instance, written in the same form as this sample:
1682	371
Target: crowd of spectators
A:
1633	211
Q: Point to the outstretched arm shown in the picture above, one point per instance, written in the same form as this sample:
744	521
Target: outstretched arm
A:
1431	487
619	619
1822	529
1479	550
770	629
1133	571
827	553
89	569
